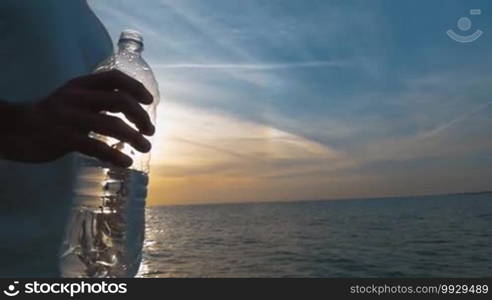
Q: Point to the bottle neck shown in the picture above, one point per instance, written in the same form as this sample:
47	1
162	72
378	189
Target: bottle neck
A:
130	46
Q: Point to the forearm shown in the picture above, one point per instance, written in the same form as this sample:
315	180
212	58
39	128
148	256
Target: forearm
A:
9	115
9	118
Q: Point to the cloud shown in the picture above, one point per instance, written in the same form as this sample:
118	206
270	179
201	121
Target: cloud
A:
263	66
455	121
292	99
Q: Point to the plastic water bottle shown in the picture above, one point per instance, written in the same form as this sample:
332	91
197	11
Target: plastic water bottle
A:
106	229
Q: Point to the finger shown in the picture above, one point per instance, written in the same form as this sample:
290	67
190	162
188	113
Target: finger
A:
115	79
100	150
117	103
113	127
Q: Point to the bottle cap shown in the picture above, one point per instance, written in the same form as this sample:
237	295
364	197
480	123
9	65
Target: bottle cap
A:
132	35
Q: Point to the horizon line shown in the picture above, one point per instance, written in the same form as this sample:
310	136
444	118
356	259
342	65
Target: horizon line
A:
327	199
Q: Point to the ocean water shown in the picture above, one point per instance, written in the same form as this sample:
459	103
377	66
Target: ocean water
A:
436	236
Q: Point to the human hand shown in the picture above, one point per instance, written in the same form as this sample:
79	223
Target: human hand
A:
61	122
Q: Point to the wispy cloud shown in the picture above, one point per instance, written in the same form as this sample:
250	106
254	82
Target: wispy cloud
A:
215	148
262	66
295	100
453	122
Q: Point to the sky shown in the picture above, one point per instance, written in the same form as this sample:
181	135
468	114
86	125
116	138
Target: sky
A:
283	100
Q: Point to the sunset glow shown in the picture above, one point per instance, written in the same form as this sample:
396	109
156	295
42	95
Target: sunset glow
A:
277	101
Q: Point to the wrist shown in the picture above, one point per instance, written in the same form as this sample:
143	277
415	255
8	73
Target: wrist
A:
10	117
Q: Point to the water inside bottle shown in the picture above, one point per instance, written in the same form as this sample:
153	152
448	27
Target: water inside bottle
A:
106	231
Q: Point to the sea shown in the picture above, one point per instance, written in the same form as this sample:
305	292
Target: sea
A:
432	236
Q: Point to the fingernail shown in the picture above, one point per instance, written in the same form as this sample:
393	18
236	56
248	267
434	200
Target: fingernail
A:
148	100
146	146
150	130
126	161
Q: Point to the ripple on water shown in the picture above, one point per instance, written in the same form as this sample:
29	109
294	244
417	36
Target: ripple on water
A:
370	238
